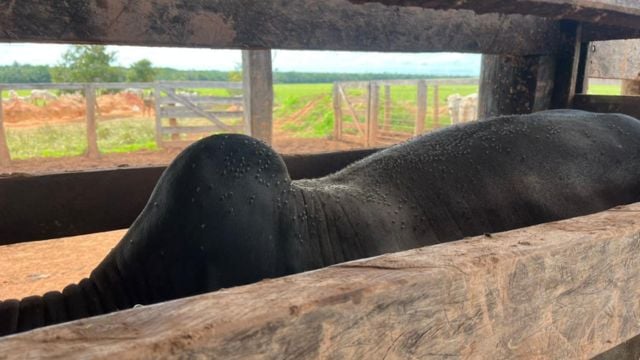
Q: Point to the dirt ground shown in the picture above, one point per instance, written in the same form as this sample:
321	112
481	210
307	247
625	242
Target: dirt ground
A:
38	267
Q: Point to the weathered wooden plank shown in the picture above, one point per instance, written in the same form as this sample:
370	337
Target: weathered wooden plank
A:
410	82
629	105
158	117
609	12
193	108
92	136
374	107
421	113
336	24
5	155
183	112
560	290
201	129
258	93
337	113
352	110
207	100
614	59
125	85
205	84
57	205
568	69
507	85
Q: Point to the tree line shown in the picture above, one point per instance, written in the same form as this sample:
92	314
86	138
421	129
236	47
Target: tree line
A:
93	63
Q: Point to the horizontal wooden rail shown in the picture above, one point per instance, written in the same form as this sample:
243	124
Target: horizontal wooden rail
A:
610	12
57	205
200	129
126	85
181	112
214	100
283	25
562	290
629	105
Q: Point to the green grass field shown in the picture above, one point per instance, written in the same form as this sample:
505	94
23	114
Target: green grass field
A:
305	110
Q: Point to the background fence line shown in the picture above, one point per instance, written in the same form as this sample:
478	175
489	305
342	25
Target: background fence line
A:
172	106
370	132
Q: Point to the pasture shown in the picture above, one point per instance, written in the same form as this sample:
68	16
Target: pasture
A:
300	111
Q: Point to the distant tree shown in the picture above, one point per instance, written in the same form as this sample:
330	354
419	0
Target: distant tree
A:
87	63
141	71
236	73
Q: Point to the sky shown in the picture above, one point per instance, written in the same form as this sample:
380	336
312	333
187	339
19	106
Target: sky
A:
283	60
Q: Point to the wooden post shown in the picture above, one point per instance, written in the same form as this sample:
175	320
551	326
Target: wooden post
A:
258	93
569	67
173	122
367	118
631	87
156	95
436	106
508	85
92	137
387	108
337	112
374	104
421	100
5	155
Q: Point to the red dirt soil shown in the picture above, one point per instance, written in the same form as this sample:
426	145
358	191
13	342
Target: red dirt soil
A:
37	267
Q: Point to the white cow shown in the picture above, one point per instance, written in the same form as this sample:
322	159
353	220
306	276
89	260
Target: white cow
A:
43	95
137	92
462	108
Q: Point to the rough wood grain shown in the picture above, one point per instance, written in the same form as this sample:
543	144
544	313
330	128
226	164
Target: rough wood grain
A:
258	93
610	12
507	85
291	24
629	105
567	68
566	289
614	59
5	155
92	136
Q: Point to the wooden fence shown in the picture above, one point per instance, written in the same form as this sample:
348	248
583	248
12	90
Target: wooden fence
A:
168	103
222	113
361	123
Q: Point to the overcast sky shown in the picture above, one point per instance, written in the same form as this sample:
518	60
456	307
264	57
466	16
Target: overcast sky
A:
284	60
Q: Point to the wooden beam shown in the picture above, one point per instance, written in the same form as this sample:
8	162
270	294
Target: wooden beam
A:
565	289
258	93
569	69
294	24
509	84
5	155
629	105
67	204
92	136
619	13
614	59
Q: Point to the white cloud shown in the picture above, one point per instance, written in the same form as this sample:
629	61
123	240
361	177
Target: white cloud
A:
284	60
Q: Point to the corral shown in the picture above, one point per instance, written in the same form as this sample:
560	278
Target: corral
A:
559	290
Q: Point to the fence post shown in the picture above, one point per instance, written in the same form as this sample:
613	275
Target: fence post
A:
421	113
374	104
436	106
337	112
257	86
387	108
92	137
157	97
5	155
